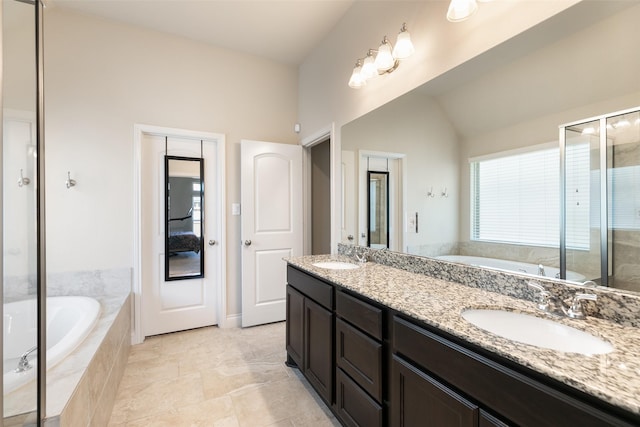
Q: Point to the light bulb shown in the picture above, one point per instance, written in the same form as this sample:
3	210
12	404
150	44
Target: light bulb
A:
368	67
356	81
384	60
403	48
459	10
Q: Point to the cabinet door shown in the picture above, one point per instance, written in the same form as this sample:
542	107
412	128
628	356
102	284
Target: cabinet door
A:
419	400
295	325
318	355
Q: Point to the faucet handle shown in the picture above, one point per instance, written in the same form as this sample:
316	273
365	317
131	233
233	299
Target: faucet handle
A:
543	297
576	311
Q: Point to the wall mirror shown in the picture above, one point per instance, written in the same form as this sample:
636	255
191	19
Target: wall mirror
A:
378	205
509	101
184	196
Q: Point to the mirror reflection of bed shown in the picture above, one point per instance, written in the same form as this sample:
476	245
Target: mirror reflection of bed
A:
184	212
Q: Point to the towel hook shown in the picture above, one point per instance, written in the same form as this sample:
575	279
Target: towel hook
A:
430	193
444	192
23	180
70	182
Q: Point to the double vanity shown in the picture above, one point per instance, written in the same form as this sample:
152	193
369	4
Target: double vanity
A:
394	342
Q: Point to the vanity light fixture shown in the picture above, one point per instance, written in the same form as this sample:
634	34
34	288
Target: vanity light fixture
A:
459	10
383	60
70	182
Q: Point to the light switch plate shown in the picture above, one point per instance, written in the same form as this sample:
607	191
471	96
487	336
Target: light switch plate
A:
235	209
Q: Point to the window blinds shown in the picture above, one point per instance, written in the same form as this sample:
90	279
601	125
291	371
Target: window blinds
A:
516	198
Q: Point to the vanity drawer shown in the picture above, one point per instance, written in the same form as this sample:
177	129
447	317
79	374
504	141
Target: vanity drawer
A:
360	357
316	289
354	406
360	314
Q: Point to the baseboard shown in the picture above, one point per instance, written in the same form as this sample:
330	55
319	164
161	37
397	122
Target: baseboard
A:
232	321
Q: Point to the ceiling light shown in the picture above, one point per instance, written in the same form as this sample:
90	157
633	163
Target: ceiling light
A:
404	47
383	60
357	81
459	10
622	123
368	66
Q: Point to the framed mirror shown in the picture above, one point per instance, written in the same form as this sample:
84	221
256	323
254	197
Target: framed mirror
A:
184	213
378	207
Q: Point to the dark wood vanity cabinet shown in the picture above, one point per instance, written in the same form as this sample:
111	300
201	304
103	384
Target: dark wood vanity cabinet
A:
310	326
375	367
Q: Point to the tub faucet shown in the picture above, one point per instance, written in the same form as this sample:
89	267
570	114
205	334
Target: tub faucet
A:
541	270
23	363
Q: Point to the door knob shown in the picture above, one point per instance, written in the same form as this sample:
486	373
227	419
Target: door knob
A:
212	242
350	237
247	242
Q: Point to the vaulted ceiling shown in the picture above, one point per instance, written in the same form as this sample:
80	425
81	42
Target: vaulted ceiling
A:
284	31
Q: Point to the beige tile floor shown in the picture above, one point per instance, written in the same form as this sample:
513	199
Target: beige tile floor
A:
216	377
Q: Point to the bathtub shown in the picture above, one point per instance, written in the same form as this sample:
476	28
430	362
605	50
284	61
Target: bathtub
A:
69	321
515	266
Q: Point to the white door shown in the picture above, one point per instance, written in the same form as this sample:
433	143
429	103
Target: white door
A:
175	305
271	226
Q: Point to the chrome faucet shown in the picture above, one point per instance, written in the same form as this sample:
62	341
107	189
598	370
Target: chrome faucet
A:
360	254
549	304
541	270
23	363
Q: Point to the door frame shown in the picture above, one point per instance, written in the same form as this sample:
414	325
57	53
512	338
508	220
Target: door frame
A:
398	212
139	130
325	133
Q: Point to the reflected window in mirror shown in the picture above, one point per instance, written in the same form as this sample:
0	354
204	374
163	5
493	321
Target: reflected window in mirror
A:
378	209
184	201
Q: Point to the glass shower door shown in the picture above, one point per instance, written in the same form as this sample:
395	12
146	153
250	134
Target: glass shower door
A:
623	189
581	239
19	198
600	238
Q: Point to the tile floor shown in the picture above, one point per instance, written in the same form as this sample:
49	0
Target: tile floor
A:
216	377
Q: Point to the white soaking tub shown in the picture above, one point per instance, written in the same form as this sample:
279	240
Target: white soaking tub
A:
515	266
69	321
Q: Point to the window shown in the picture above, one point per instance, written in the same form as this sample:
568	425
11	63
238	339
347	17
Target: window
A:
516	197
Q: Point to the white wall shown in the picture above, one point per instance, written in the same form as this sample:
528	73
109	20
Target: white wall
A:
102	78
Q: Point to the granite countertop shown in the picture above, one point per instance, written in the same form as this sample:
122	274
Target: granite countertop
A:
612	377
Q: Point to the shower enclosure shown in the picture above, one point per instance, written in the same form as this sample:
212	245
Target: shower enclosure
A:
22	196
600	169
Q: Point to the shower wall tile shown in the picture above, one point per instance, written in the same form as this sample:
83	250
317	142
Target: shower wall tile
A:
112	282
94	283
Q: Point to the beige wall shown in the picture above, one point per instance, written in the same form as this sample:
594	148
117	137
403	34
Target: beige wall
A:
102	78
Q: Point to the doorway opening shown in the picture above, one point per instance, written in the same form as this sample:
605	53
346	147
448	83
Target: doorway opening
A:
321	198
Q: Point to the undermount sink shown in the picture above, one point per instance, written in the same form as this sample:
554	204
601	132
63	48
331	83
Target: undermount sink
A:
536	331
336	265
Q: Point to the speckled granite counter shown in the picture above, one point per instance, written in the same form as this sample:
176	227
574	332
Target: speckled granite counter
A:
613	377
